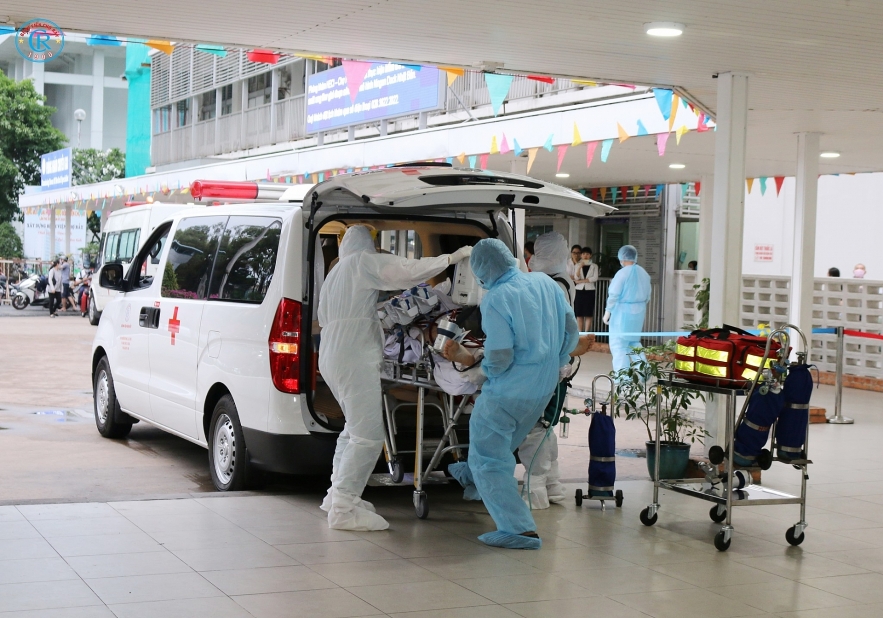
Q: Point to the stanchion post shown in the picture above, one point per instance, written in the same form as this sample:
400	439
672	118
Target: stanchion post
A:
838	418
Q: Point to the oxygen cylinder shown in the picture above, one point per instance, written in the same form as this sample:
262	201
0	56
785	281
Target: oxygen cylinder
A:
752	434
602	455
791	428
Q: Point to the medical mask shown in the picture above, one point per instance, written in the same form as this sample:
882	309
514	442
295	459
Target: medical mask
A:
858	273
586	261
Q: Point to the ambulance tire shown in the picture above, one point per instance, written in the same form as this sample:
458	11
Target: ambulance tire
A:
110	420
227	453
94	314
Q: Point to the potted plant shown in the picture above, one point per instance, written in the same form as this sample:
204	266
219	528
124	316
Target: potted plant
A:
639	389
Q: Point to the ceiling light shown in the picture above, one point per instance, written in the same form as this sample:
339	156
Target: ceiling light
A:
562	175
677	166
664	28
830	155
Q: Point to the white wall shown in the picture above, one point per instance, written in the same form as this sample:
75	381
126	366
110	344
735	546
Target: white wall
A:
849	227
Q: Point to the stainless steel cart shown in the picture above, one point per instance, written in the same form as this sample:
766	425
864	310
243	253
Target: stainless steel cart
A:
419	376
720	492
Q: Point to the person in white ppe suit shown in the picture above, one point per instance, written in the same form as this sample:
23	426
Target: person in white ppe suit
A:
350	356
538	455
627	299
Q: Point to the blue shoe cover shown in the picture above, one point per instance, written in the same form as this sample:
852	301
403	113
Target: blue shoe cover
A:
507	540
460	471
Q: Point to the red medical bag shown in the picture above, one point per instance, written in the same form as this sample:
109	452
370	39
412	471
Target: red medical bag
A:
728	356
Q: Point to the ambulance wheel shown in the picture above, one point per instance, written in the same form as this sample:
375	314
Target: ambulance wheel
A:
111	421
720	543
646	519
716	455
765	459
793	540
227	455
94	314
398	472
618	498
717	517
422	506
578	497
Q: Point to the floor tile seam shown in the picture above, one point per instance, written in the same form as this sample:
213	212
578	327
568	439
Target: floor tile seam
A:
378	610
111	606
220	592
807	582
748	599
501	577
741	561
464	589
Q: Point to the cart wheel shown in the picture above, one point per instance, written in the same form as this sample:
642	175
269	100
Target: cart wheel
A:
717	517
716	455
422	508
765	459
793	540
398	472
578	497
719	542
618	498
646	519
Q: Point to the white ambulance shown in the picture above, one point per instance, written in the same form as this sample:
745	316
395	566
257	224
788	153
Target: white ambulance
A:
217	346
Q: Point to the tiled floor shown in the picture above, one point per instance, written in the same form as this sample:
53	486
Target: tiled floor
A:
273	555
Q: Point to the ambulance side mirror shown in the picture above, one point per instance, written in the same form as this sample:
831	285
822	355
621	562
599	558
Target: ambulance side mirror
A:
111	277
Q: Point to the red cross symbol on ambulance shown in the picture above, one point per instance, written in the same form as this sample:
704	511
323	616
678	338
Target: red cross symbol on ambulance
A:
174	325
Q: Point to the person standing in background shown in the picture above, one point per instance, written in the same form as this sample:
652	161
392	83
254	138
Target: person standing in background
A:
584	303
859	272
627	299
66	292
53	288
528	252
573	262
833	272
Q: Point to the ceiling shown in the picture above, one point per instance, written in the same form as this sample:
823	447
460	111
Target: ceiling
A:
814	65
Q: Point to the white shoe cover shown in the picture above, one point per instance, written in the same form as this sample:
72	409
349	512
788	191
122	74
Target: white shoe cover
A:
539	499
357	519
556	492
358	502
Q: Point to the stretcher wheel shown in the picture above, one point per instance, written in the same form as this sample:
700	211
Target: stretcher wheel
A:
765	459
398	472
720	543
646	519
793	540
717	517
716	455
618	498
578	497
422	507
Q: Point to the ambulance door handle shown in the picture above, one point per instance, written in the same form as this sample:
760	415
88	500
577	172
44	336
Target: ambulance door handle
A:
155	317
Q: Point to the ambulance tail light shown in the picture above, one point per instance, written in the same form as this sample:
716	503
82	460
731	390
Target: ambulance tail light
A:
236	190
284	347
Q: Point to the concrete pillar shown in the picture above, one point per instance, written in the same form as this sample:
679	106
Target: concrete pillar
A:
802	267
37	71
52	232
97	119
729	199
67	229
706	208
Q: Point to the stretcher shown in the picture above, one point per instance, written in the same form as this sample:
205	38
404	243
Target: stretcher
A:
417	377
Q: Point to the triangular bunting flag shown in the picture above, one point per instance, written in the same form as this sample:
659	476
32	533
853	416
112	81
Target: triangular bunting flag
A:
548	144
680	132
684	188
590	152
605	149
647	190
659	190
562	150
749	182
263	56
762	185
625	193
635	189
701	126
498	88
516	148
482	162
613	192
531	155
472	161
595	193
355	74
663	100
642	130
661	141
165	47
577	140
779	180
461	158
494	148
504	145
603	194
453	73
584	82
622	133
697	187
674	112
217	50
542	78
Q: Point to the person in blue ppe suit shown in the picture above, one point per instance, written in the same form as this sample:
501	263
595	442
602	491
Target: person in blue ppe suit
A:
530	331
627	299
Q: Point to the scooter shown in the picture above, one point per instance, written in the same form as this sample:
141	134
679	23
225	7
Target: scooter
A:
29	293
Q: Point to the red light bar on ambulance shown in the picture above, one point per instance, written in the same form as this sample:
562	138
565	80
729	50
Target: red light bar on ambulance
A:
236	190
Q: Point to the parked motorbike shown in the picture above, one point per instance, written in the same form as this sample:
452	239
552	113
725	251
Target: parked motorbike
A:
31	291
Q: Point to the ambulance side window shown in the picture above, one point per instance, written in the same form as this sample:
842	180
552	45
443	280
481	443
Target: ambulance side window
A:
246	259
149	255
190	257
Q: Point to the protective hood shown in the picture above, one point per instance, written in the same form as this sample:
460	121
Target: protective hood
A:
627	253
490	260
550	254
357	239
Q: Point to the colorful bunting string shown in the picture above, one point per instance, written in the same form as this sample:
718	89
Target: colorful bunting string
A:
494	148
661	141
482	161
779	181
531	155
750	183
577	140
663	100
605	149
562	150
762	180
498	89
548	145
623	135
590	152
